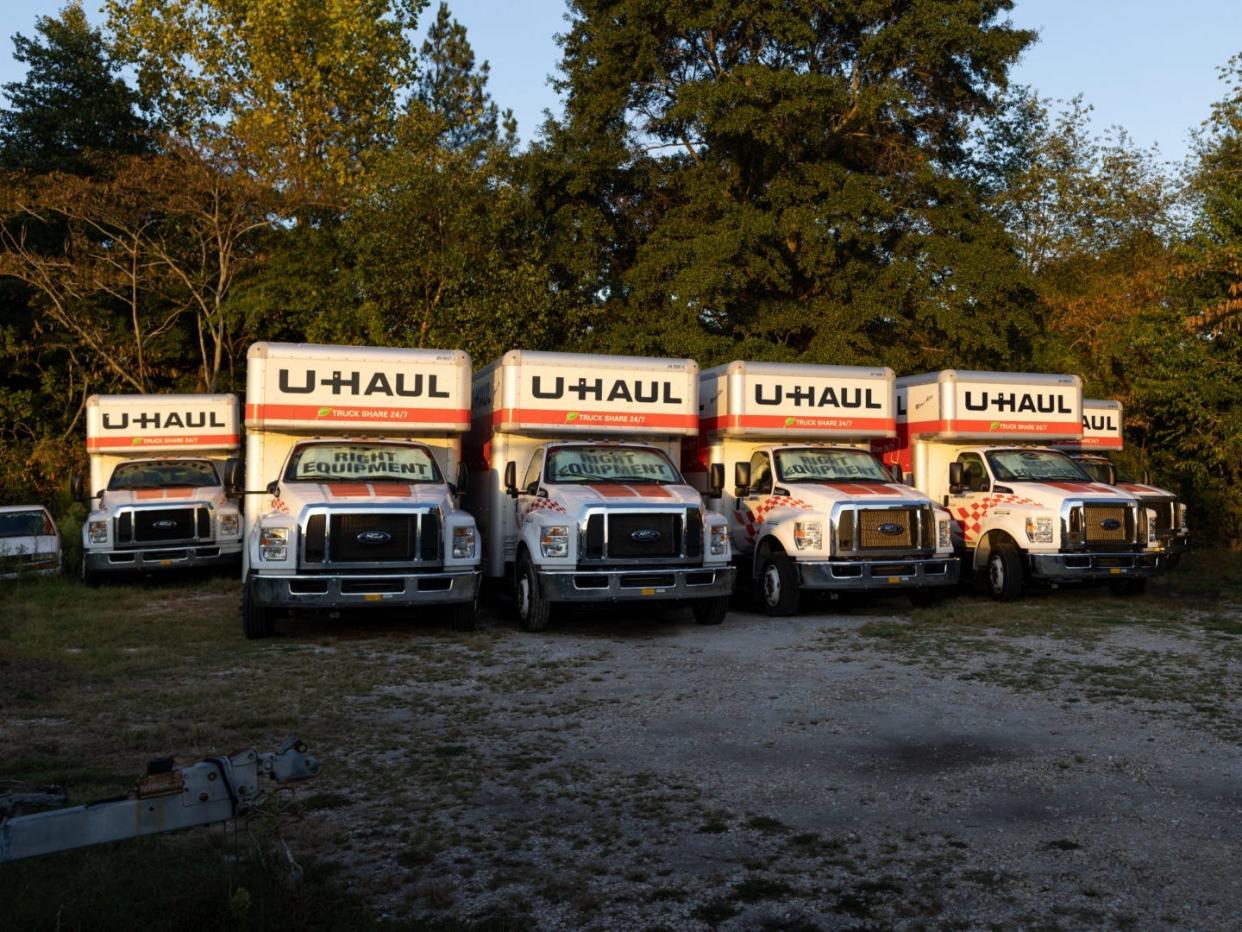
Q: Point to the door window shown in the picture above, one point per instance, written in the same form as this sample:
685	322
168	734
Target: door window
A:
974	473
530	484
760	474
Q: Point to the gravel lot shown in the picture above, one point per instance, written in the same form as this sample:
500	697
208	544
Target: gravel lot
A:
1069	761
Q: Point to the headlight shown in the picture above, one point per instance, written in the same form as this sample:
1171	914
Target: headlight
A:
1039	530
720	539
99	532
1181	518
808	535
463	542
554	541
944	535
1150	525
274	543
229	525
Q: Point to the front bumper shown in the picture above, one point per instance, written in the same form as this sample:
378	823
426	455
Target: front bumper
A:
155	558
43	568
917	573
1069	567
605	585
374	589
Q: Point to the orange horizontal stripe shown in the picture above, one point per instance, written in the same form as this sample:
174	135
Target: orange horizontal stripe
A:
1057	428
592	418
800	422
177	440
458	417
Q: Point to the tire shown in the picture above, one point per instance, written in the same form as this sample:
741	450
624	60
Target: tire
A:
1126	587
710	611
1004	571
532	608
89	578
257	621
464	616
778	585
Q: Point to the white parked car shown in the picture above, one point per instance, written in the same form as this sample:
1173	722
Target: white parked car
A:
29	542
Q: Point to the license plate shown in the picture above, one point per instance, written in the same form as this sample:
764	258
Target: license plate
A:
165	562
373	597
1115	570
894	579
648	591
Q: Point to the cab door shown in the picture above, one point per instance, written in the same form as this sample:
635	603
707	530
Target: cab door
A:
528	488
748	515
970	504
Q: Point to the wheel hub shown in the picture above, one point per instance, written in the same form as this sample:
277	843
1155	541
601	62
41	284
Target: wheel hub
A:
771	585
996	573
524	596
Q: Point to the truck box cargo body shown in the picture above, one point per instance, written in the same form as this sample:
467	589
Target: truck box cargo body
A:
159	465
1102	432
810	507
981	443
350	453
595	508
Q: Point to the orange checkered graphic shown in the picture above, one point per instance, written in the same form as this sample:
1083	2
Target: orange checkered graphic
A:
545	504
753	520
969	517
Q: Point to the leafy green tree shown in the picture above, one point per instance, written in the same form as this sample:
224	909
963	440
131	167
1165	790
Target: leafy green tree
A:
297	92
785	180
70	103
452	88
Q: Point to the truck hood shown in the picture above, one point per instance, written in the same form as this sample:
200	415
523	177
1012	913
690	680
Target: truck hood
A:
169	497
1146	493
1050	494
574	498
296	496
823	495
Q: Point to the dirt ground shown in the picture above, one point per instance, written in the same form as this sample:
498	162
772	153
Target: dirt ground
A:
1066	762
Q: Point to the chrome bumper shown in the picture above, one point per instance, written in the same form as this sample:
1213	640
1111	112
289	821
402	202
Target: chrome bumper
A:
378	589
604	585
1067	567
155	558
917	573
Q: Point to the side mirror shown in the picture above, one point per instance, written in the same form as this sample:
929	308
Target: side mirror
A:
1146	477
273	488
232	469
511	479
463	477
1112	474
741	479
715	480
955	477
76	487
897	474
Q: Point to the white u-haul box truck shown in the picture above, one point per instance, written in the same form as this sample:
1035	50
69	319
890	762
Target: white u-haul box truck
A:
575	484
1102	432
981	444
161	473
811	508
353	459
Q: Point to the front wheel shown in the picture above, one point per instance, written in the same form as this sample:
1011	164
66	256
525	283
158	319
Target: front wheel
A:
1005	571
710	611
778	585
533	609
257	619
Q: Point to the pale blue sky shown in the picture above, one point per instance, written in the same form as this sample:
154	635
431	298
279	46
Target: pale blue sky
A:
1147	65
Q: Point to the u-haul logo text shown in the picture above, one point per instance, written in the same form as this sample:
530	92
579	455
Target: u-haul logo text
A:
811	397
162	420
352	383
638	391
1017	402
1099	422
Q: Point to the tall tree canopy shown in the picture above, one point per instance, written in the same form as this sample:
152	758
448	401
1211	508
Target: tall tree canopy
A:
71	102
296	91
781	179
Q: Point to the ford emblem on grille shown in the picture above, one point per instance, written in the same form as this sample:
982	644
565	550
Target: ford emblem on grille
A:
892	530
1110	524
164	525
645	535
374	537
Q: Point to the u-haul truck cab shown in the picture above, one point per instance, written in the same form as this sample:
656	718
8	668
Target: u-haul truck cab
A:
811	508
576	489
352	463
1102	423
161	472
980	443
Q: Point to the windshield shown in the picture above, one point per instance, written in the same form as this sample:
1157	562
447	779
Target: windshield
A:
25	524
372	462
609	464
1035	466
813	464
163	474
1096	469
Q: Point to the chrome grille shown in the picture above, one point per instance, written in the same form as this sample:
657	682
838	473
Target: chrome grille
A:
884	530
1097	516
642	536
396	537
